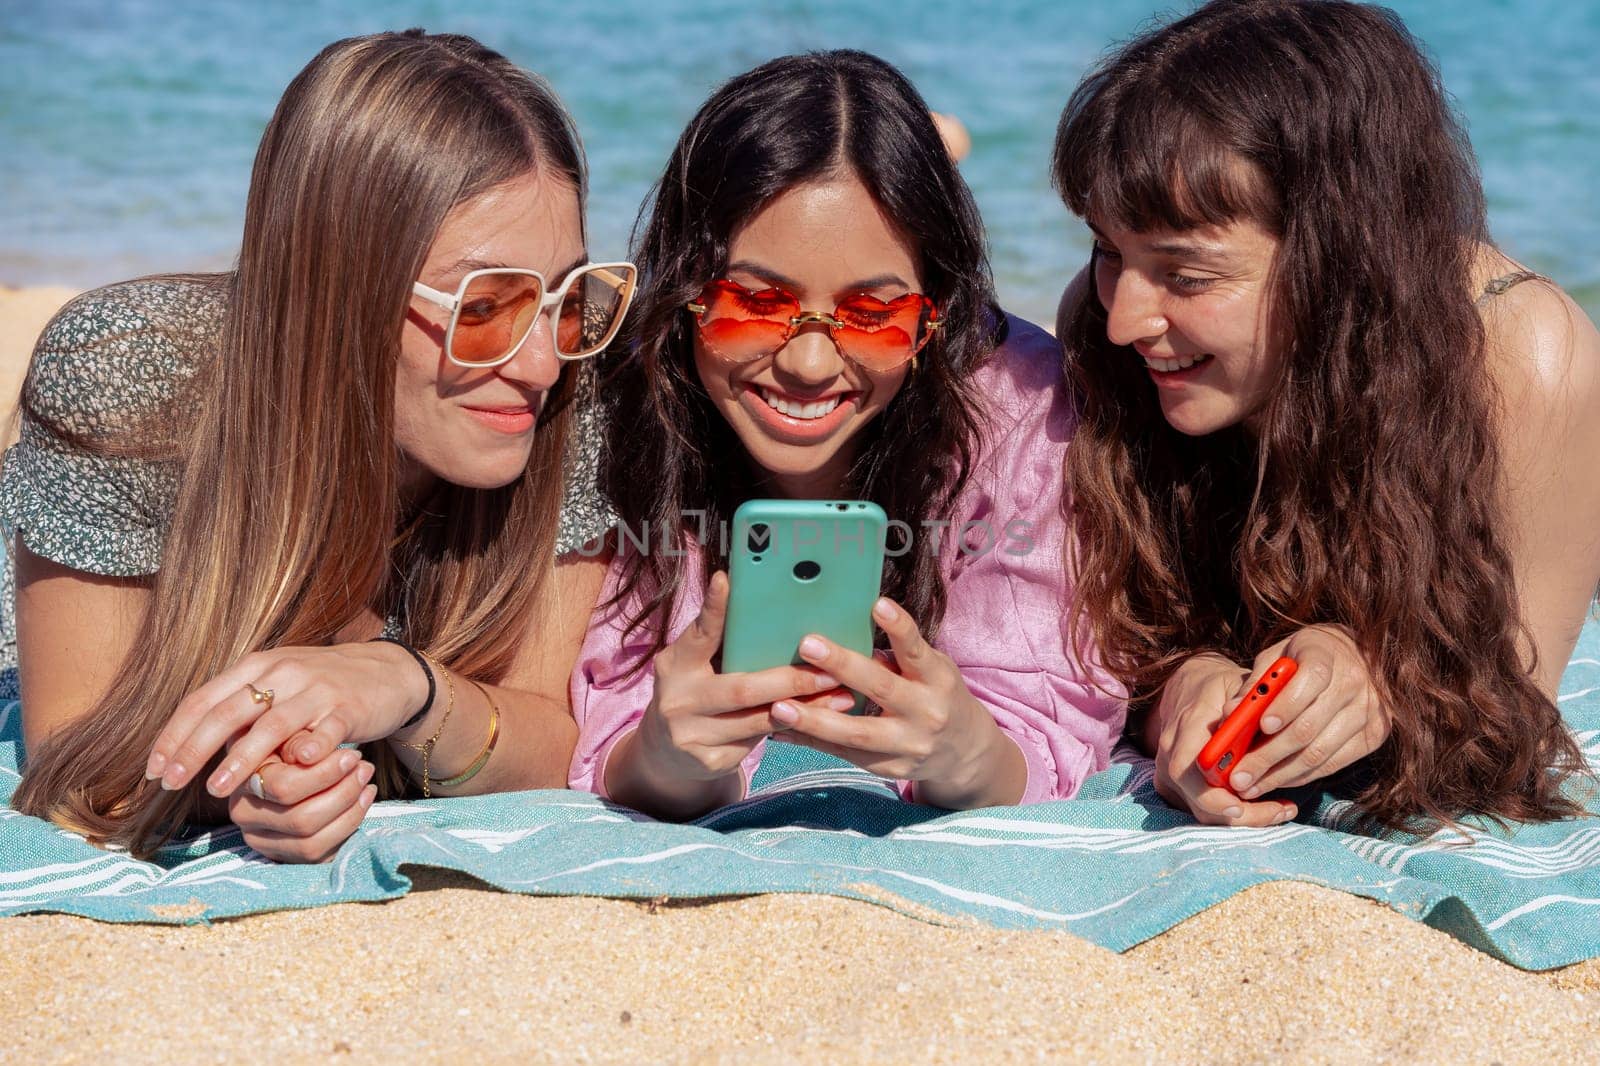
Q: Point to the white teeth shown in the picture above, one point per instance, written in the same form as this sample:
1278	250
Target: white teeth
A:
799	410
1167	366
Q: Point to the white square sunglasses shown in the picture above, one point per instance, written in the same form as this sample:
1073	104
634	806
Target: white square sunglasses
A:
488	332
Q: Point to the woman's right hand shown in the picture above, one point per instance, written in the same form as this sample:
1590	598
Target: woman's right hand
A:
322	697
700	725
1193	703
305	813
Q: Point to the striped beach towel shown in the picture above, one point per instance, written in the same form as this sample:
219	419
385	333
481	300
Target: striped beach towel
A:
1115	866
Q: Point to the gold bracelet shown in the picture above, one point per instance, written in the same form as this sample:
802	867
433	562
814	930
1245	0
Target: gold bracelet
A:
488	745
427	746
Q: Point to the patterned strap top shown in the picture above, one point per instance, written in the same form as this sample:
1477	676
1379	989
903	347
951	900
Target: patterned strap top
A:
117	354
1499	285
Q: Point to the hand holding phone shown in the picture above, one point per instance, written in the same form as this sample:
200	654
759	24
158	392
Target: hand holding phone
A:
1237	733
684	758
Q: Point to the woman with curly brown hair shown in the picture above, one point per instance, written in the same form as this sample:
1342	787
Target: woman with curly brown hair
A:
1323	417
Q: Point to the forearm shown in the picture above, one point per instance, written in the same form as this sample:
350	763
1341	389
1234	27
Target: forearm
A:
534	738
634	781
996	777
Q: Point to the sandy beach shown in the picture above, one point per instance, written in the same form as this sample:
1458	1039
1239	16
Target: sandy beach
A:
457	972
1280	973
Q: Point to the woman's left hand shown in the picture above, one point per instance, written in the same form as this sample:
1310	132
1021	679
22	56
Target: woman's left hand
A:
929	727
346	692
1328	715
304	814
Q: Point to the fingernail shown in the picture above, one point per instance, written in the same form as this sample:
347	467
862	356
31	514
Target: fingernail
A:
306	753
786	713
365	773
884	611
169	780
1238	781
153	768
1233	812
347	760
1271	725
1285	814
219	782
826	682
1250	793
813	648
841	702
369	794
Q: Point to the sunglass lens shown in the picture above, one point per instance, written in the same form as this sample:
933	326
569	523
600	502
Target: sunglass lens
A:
741	326
496	314
593	308
881	336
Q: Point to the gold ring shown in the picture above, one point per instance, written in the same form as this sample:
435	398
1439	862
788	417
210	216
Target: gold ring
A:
260	695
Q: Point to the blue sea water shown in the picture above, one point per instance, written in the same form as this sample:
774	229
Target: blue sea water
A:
127	127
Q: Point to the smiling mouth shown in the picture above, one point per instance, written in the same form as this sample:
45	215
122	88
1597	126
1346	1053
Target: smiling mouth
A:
805	411
1171	366
514	419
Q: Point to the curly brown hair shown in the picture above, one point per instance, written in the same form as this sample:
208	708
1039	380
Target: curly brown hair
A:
1368	494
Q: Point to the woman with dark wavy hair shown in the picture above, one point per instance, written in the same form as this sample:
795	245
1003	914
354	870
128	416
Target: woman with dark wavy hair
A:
1323	417
810	194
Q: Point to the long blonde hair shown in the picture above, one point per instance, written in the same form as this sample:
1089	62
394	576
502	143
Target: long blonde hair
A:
285	527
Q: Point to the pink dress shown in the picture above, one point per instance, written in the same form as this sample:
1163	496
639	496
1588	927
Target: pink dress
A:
1004	626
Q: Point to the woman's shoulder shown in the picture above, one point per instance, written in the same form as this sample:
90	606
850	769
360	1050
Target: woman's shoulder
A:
122	349
91	481
1023	379
1544	351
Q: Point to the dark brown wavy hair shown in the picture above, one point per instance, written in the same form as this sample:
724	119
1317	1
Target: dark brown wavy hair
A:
797	119
1368	496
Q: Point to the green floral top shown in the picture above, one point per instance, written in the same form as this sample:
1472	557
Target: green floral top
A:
112	358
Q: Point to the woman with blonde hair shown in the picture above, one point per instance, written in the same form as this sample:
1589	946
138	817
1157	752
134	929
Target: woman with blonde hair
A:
228	487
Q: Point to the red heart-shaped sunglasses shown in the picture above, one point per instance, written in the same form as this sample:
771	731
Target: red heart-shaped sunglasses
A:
740	326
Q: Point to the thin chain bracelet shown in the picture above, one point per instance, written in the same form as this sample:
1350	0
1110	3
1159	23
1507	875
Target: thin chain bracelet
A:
426	747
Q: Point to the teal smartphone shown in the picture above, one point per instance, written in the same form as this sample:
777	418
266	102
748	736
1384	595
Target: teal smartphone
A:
798	567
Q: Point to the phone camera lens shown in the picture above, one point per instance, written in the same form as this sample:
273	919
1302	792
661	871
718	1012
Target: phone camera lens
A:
806	570
1262	689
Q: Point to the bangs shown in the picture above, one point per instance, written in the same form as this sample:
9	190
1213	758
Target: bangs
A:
1135	157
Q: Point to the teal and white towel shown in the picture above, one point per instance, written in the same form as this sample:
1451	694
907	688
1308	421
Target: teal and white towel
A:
1115	866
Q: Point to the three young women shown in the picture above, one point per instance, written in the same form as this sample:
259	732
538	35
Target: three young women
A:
1313	411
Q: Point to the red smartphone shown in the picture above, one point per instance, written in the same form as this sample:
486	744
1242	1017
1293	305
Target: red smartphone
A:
1237	733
